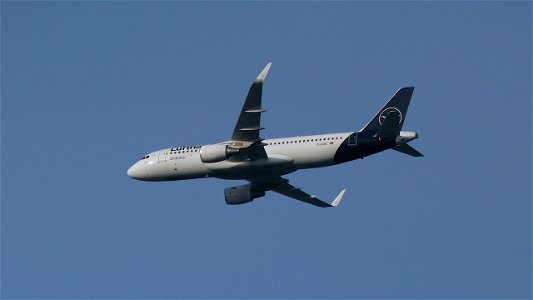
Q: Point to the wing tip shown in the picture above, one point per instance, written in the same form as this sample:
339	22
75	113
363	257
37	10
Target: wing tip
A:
338	198
261	77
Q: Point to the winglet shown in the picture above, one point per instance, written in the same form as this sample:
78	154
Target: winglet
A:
261	77
338	198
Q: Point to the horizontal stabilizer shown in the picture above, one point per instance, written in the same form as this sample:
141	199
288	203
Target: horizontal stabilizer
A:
406	149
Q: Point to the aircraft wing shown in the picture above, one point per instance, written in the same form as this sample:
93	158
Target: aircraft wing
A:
249	122
282	186
255	151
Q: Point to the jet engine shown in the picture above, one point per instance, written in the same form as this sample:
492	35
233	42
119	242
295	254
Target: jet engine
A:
241	194
216	153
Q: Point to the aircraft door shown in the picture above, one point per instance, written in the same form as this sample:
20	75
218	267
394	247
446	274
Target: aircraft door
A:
163	156
352	141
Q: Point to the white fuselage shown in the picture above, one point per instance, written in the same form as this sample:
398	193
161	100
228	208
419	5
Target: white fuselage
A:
263	162
285	155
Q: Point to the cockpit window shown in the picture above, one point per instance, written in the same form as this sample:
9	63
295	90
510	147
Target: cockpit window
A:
145	157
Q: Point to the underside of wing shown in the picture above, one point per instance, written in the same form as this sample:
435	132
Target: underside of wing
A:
255	151
282	186
249	123
288	190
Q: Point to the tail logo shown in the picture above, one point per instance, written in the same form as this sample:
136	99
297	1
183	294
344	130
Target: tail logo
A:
386	111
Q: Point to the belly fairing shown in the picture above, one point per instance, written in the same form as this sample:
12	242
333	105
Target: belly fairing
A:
275	165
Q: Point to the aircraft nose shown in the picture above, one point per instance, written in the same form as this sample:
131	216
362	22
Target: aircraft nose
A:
135	172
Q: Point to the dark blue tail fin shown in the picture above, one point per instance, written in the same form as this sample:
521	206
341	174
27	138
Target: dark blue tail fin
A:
389	119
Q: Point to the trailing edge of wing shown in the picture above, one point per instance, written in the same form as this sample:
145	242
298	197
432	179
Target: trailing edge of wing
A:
288	190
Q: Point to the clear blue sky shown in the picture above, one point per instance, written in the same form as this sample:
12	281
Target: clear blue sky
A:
88	88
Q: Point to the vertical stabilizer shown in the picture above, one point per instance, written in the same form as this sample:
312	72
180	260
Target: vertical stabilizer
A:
389	119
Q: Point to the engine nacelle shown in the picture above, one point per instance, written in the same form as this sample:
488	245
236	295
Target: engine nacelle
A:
216	153
241	194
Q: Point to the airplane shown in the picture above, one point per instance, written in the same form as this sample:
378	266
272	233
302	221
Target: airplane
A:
263	162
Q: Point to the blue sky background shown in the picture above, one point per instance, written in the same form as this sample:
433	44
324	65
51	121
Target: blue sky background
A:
89	88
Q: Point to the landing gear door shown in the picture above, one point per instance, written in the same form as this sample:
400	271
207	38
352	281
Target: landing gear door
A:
352	141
